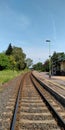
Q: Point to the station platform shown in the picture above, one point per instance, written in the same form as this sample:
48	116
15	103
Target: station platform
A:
60	80
56	80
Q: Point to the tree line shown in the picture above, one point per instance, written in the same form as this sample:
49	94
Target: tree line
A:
14	58
55	58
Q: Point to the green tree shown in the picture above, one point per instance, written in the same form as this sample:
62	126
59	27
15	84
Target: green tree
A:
9	50
46	66
56	56
38	66
29	62
19	57
12	62
4	61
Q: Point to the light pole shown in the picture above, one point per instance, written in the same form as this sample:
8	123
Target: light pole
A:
48	41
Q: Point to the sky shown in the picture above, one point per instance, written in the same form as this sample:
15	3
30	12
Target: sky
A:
29	23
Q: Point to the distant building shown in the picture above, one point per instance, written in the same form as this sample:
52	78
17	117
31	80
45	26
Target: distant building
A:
62	65
58	67
55	68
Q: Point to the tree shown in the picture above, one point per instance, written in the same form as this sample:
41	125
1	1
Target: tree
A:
4	61
55	57
38	66
19	57
9	50
28	62
12	62
46	66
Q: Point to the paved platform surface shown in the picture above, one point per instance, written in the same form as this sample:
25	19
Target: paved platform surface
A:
57	80
60	80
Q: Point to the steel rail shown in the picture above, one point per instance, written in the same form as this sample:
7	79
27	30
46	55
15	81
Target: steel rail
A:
60	121
13	122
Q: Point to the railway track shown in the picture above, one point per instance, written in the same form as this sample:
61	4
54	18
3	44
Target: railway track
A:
57	108
55	89
33	112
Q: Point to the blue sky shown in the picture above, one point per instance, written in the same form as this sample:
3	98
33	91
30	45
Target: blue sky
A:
28	23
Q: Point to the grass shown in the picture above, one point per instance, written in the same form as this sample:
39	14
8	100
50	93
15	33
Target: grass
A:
7	75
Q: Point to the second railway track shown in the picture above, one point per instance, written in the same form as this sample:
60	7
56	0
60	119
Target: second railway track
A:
31	112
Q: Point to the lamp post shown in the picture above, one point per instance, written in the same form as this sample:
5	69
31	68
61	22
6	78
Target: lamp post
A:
48	41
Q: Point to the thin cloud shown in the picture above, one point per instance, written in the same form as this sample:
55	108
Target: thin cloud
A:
13	19
23	21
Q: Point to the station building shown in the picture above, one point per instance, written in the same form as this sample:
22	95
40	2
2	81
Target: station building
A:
58	67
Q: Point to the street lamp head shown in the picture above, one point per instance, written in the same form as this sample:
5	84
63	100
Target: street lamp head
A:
48	41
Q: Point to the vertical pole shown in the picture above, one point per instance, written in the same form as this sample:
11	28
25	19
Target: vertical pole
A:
49	62
48	41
